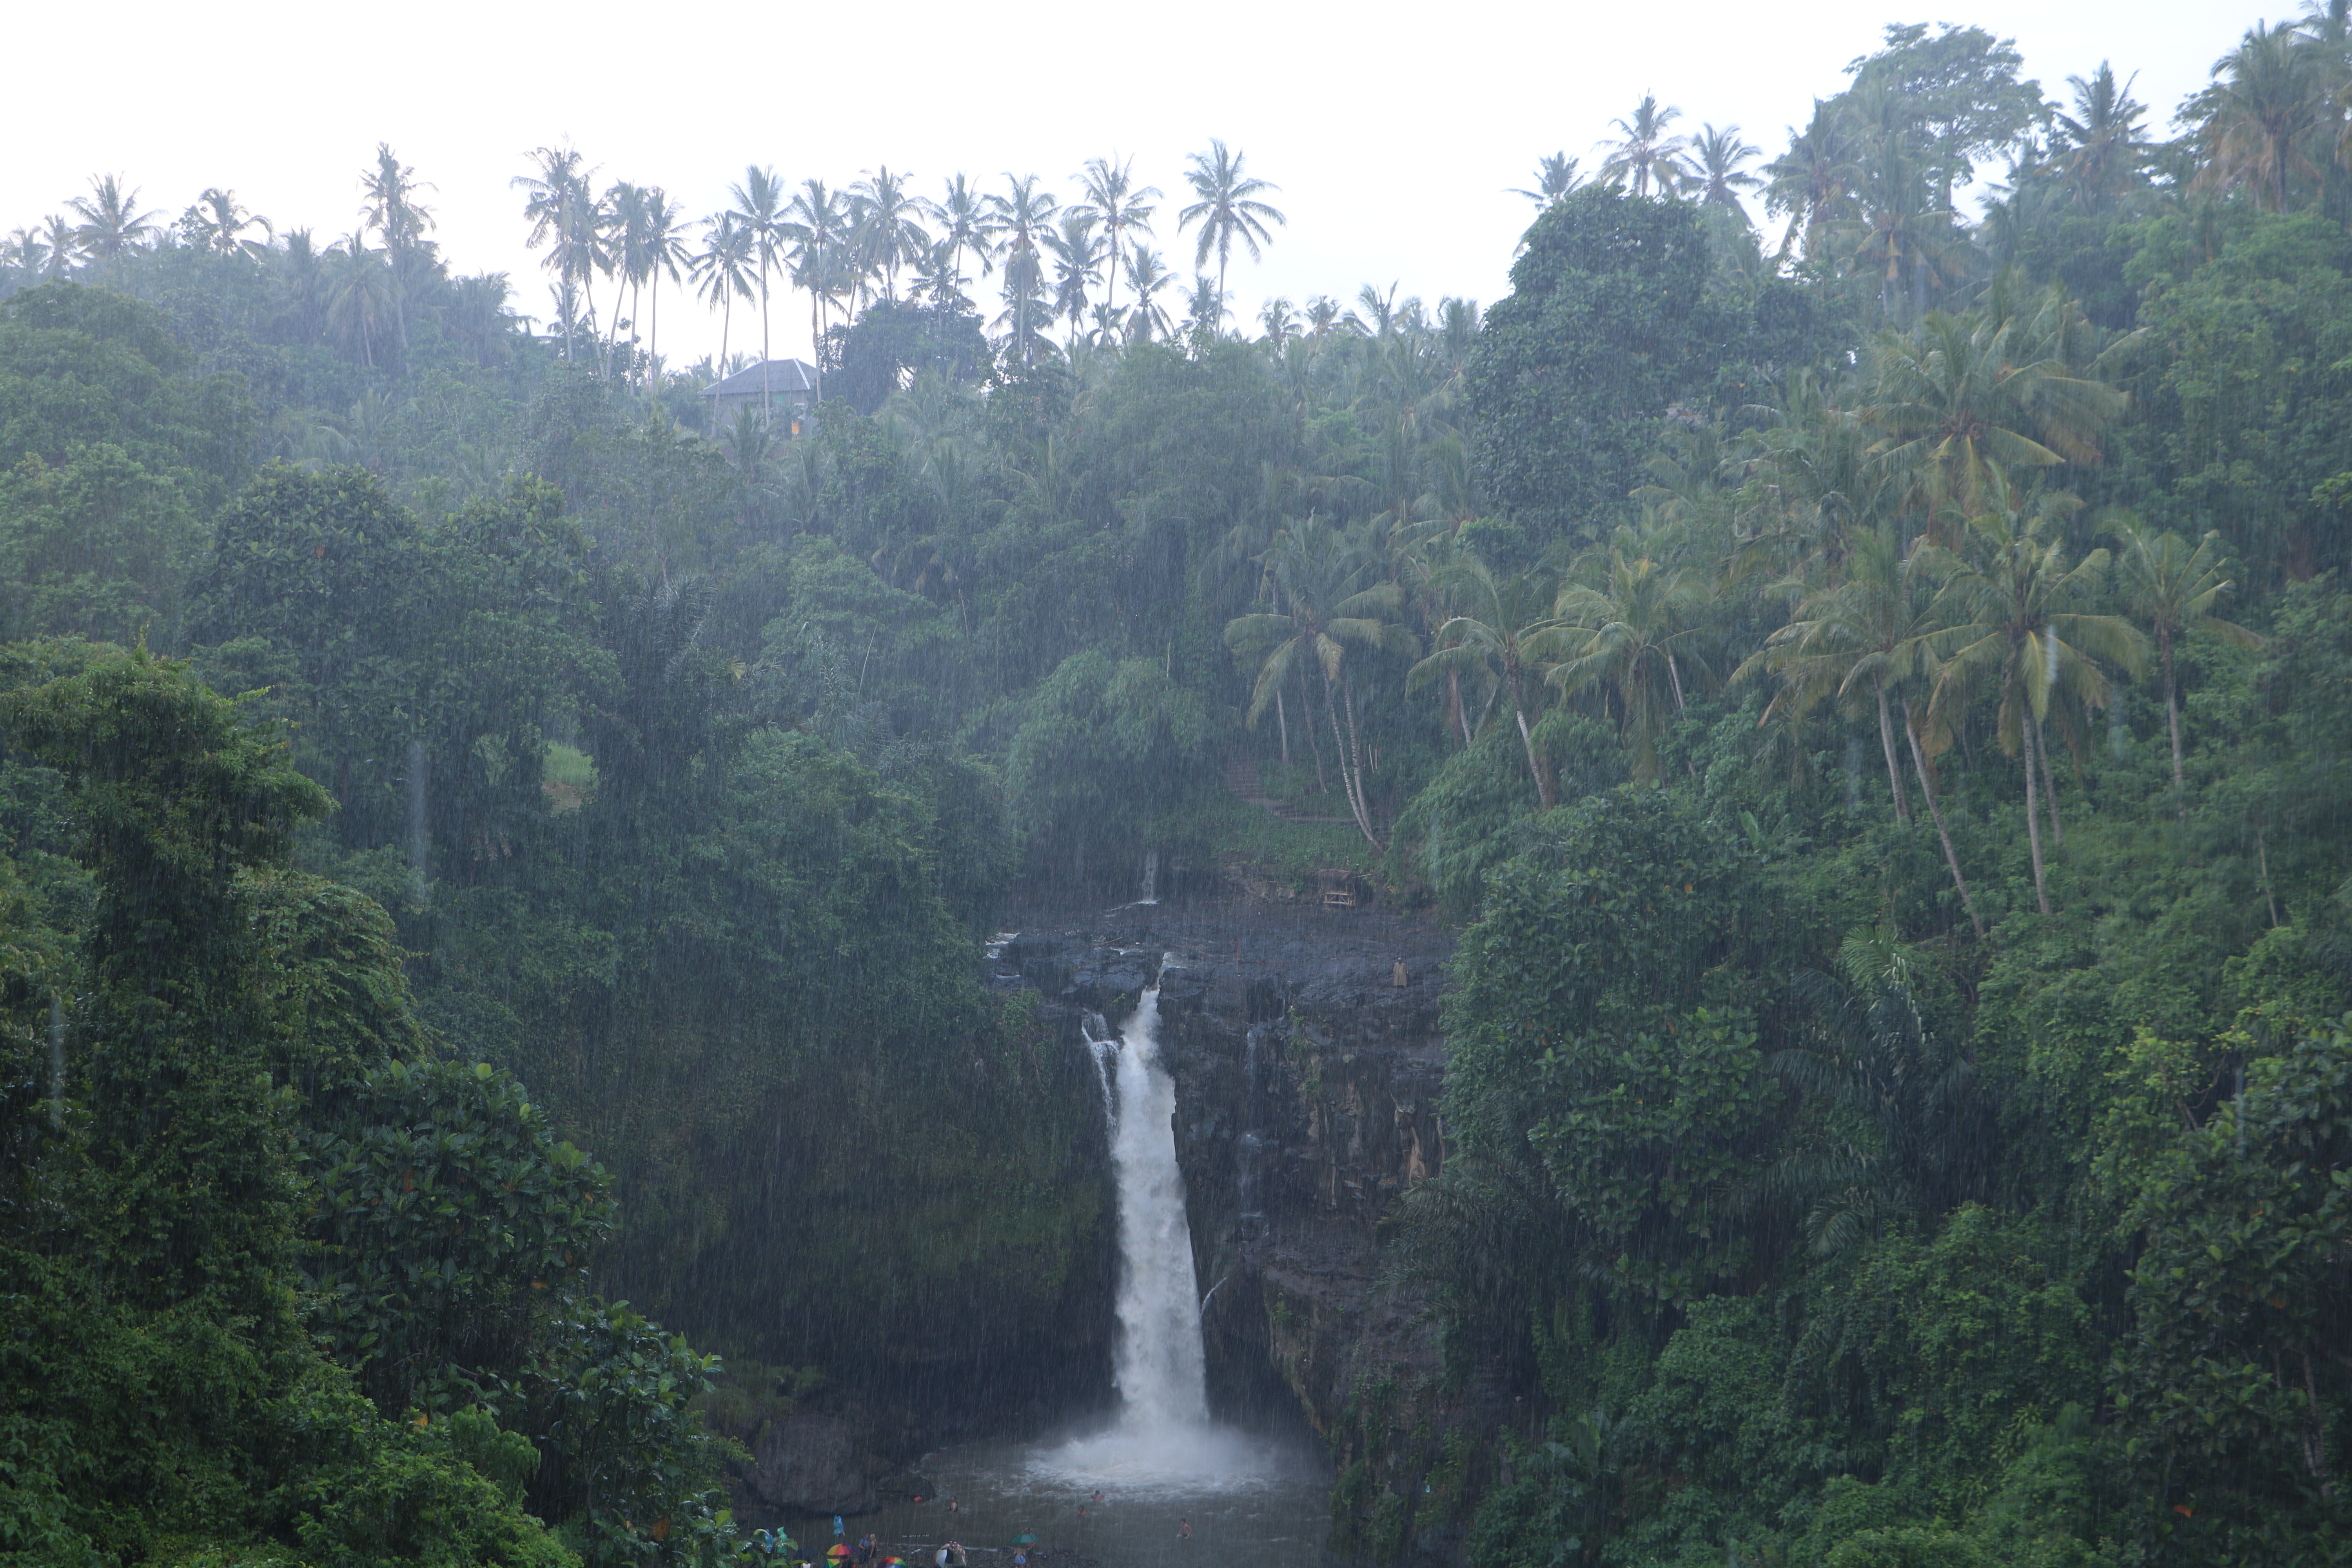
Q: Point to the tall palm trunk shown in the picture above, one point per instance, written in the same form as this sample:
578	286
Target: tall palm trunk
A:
767	376
2033	814
1282	723
1314	741
1546	788
1894	768
2172	718
2049	787
1935	810
1111	284
1351	763
816	338
1460	721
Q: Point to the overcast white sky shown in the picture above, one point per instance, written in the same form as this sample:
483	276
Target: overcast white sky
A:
1393	130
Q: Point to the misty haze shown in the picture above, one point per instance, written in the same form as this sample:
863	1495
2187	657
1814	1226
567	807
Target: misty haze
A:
860	865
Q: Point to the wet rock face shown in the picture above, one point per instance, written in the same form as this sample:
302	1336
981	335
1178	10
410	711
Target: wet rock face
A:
813	1464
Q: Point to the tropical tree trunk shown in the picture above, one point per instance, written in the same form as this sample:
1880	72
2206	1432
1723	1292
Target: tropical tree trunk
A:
1935	810
2033	816
1894	768
1546	788
1110	285
2049	785
767	377
2172	719
1460	723
1322	786
1282	723
1351	767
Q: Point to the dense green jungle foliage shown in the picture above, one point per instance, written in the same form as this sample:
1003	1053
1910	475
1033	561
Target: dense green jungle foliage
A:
1871	693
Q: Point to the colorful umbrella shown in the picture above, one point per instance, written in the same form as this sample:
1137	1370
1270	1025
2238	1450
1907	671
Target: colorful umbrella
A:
1025	1539
837	1551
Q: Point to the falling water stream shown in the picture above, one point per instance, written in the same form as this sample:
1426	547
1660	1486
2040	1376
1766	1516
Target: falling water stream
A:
1162	1461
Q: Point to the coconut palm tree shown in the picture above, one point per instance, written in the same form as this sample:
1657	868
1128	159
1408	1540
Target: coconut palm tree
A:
1647	160
1078	255
219	224
1147	278
111	225
2172	589
1107	192
25	252
965	223
1023	214
1280	320
2098	154
1330	598
1860	638
1717	176
1629	635
2269	94
628	205
2012	633
1813	181
362	295
1961	405
58	234
1897	233
1227	208
562	214
661	250
391	211
760	214
724	270
889	232
1556	175
1502	625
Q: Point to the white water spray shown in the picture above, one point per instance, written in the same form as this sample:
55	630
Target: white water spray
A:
1164	1439
1158	1365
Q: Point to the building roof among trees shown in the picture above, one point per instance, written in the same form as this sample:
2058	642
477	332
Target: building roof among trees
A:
779	376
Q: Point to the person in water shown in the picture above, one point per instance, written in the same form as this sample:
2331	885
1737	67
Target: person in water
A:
1183	1530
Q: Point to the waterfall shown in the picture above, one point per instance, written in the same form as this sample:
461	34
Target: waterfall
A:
1164	1441
1150	878
1158	1365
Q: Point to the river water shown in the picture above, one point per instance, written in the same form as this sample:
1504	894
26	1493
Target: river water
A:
1249	1501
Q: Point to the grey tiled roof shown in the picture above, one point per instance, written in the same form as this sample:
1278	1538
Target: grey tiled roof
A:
782	377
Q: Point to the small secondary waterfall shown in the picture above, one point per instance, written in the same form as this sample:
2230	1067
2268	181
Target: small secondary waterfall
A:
1158	1363
1151	894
